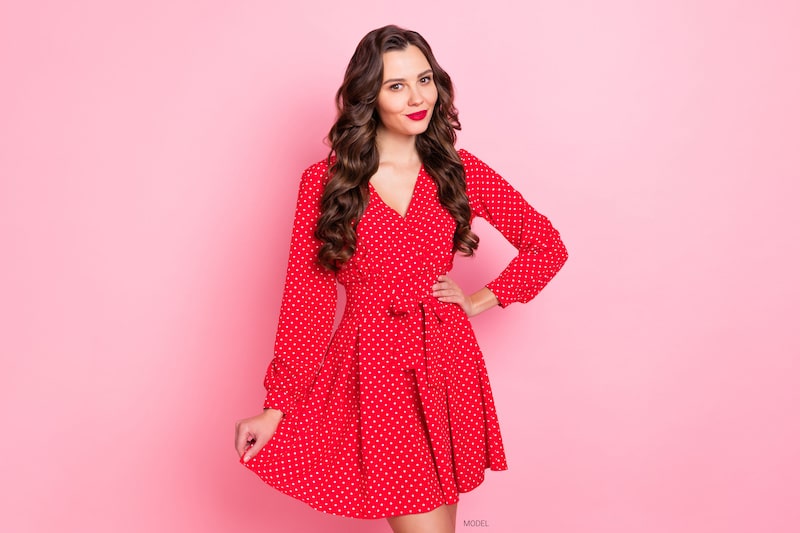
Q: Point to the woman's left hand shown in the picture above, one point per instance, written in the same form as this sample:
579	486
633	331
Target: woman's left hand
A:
447	290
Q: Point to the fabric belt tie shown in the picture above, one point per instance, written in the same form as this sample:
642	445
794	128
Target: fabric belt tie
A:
424	347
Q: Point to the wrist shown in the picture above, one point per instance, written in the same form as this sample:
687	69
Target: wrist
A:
472	306
271	412
481	300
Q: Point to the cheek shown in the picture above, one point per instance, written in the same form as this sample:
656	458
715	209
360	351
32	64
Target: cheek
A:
433	94
389	104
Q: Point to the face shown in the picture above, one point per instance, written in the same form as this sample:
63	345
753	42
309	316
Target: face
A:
408	93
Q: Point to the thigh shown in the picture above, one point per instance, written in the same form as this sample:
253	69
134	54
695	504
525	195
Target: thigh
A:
439	520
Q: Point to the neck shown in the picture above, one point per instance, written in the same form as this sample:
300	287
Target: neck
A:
394	148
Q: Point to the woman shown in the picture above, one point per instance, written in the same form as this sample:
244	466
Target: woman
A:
392	416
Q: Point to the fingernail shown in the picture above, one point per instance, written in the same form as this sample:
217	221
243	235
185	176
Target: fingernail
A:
246	458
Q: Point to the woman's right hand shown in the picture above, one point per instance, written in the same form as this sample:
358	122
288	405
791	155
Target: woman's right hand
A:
254	432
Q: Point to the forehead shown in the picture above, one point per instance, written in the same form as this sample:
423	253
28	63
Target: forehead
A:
404	64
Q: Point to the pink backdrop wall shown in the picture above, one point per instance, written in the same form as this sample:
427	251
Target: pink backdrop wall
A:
149	160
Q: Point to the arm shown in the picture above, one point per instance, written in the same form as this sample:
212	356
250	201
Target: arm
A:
541	253
308	306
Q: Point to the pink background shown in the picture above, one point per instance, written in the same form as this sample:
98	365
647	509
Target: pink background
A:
150	156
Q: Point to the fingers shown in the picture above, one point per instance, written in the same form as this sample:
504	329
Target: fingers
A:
246	440
259	443
446	290
445	285
252	434
445	281
243	438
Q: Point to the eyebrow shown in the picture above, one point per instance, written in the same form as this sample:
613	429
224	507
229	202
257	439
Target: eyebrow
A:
394	80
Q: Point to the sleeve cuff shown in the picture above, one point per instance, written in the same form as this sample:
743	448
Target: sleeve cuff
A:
278	401
503	300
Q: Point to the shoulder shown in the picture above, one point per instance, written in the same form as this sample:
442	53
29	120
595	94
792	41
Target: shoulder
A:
485	186
318	170
478	174
475	169
471	163
315	176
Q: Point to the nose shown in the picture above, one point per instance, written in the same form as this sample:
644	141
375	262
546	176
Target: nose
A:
414	97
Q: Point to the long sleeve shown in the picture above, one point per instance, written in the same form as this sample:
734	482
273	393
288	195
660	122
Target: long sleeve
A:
541	253
308	307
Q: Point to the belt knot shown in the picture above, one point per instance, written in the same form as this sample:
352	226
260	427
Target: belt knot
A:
428	306
402	307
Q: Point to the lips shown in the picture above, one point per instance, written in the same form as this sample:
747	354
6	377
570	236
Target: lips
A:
419	115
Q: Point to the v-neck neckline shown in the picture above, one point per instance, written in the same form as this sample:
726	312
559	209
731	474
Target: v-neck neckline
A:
372	191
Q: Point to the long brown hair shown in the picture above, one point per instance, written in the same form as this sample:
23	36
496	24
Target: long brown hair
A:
352	140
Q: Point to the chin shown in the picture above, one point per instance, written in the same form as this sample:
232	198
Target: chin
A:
422	128
409	129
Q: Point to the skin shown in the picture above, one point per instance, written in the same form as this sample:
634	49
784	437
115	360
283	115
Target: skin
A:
407	88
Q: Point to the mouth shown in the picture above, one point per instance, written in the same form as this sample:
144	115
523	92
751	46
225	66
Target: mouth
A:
419	115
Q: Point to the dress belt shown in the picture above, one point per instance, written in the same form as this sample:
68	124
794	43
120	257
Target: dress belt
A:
422	343
425	347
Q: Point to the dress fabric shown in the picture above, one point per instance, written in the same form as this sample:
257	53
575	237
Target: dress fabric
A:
392	413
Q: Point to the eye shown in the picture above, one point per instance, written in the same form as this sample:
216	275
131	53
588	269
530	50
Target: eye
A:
425	79
396	86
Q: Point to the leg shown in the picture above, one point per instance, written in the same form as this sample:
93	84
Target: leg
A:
440	520
452	510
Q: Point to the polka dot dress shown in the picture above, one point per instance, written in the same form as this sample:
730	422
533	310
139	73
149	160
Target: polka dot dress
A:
392	413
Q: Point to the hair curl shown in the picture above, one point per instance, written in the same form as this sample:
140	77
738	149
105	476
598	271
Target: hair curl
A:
352	140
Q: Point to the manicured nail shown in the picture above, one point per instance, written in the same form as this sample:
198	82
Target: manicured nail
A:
246	458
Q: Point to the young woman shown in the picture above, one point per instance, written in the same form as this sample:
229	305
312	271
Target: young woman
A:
391	416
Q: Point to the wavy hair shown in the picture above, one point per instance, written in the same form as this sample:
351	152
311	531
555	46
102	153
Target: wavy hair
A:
352	140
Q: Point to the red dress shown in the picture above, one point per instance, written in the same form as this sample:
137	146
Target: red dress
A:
392	413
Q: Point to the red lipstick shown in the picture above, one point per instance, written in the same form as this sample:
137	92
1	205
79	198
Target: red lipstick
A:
419	115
